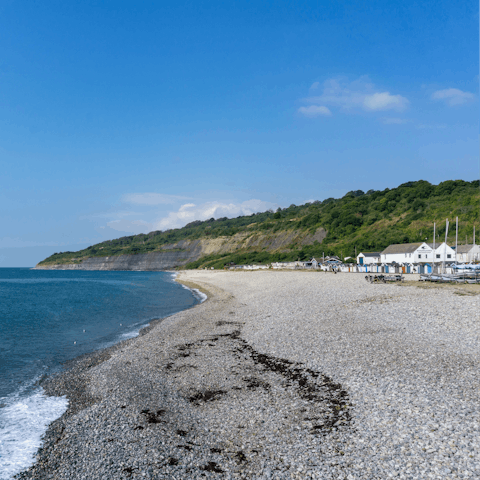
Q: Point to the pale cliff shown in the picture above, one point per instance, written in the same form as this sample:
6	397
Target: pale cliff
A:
180	253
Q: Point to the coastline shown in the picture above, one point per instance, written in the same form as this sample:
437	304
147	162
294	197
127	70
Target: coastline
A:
278	375
71	383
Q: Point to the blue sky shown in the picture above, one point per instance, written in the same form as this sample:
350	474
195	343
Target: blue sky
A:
121	117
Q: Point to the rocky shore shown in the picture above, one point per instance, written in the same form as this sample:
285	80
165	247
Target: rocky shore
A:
280	375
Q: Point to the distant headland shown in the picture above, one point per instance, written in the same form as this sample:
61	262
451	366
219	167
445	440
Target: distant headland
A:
359	221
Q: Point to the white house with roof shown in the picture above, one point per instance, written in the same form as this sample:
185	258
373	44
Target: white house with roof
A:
443	253
369	258
468	253
420	252
407	253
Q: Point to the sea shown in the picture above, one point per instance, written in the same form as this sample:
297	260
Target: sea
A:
48	317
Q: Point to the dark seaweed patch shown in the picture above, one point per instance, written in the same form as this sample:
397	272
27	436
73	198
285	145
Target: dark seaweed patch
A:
306	382
186	447
253	383
206	396
211	467
221	323
240	457
172	461
182	433
153	417
216	450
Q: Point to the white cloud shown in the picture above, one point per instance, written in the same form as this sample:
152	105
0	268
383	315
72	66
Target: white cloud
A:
359	94
384	101
152	198
189	212
453	96
315	111
314	85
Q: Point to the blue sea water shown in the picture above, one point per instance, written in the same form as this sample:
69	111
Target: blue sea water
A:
49	317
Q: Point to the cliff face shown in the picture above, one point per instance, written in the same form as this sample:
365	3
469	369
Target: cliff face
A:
185	251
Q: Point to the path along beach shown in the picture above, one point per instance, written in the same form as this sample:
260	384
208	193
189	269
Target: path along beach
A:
280	375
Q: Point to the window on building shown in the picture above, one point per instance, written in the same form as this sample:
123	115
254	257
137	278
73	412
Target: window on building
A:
449	256
438	255
419	255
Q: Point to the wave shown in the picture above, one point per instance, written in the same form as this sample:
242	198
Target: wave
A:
200	296
23	422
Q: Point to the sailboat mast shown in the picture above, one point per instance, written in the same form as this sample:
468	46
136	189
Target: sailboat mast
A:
445	248
456	243
433	262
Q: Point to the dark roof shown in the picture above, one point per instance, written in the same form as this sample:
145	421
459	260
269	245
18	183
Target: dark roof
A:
402	248
370	254
438	245
463	248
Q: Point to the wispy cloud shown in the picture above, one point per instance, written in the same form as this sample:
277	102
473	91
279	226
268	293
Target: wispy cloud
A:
189	212
315	111
453	96
359	94
152	198
384	101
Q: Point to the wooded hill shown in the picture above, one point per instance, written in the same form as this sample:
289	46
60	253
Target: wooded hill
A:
368	221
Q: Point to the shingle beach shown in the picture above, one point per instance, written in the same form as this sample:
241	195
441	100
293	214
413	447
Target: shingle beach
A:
280	375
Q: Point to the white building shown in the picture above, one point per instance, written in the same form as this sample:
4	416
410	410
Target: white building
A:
368	258
468	253
313	263
407	253
288	265
443	253
420	252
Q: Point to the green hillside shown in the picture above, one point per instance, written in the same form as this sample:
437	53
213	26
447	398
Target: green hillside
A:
368	221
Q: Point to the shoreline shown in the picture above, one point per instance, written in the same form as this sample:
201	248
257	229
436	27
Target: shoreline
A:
279	376
70	380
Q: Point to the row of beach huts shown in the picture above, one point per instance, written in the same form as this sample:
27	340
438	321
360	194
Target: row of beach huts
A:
418	257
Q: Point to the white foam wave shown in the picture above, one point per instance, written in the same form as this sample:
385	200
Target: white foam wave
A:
199	295
132	333
23	422
196	293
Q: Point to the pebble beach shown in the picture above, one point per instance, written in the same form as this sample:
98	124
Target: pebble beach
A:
280	375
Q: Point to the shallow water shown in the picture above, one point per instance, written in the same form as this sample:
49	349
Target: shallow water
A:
49	317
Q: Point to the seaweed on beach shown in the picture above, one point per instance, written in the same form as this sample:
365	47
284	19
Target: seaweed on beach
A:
310	385
253	383
211	467
153	417
206	396
221	323
240	457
